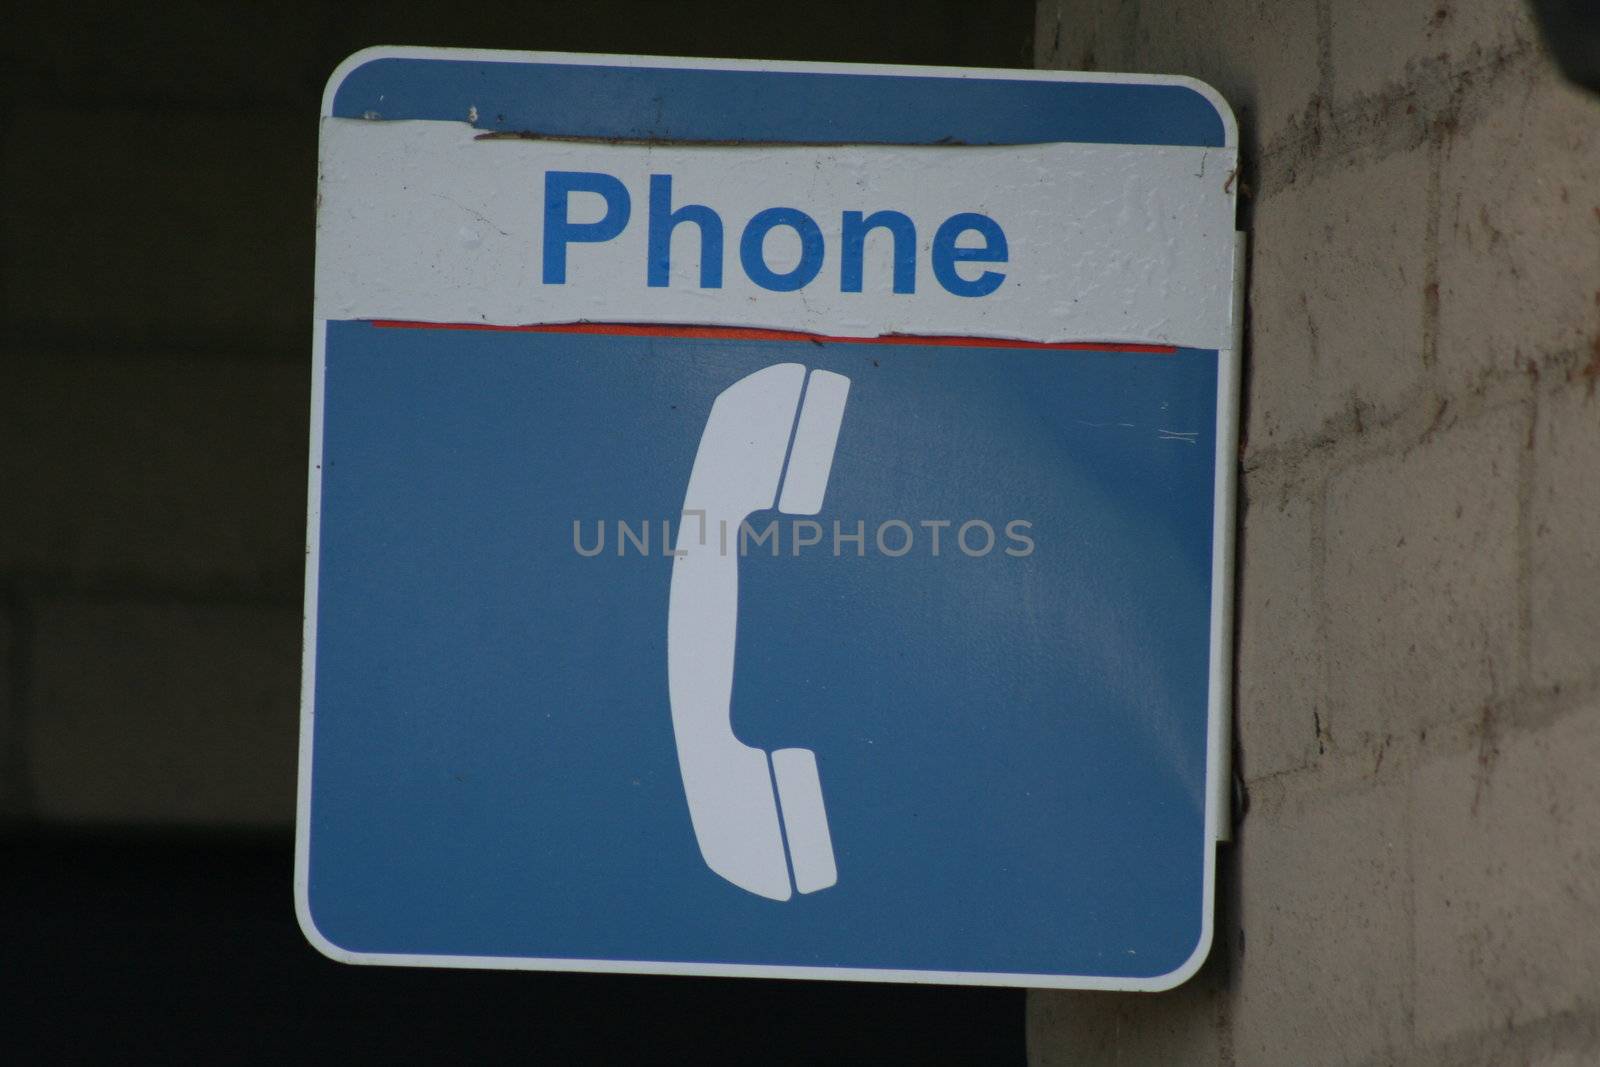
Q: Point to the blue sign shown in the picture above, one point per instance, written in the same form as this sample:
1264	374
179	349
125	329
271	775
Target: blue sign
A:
697	645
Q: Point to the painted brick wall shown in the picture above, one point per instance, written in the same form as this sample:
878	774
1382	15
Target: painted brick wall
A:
1417	876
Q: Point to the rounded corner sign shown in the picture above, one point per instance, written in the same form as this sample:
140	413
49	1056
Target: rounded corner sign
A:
768	519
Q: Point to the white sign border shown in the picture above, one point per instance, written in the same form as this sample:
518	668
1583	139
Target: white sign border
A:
1219	717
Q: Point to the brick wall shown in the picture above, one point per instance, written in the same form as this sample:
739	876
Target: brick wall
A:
1417	876
153	394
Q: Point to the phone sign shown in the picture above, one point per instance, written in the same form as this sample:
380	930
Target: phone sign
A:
769	520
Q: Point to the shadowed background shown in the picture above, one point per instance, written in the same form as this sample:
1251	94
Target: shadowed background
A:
156	233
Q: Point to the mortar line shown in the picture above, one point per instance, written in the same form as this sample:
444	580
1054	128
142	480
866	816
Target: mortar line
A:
1436	86
1324	17
1322	626
1409	893
1527	475
130	590
1524	712
1301	460
1430	255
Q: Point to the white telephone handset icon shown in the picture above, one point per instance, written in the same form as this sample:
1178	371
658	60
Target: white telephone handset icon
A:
730	785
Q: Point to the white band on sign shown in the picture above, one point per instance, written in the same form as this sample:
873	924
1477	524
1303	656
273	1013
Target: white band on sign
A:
435	222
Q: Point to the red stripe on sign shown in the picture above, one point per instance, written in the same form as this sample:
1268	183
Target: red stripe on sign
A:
748	333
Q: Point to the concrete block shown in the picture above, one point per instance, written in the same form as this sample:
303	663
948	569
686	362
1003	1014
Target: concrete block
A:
1376	46
164	714
177	471
224	56
1260	54
1508	878
1280	698
1336	300
1082	1029
1422	581
977	33
1567	1041
213	56
158	229
1565	1058
13	751
1564	562
1324	973
1519	231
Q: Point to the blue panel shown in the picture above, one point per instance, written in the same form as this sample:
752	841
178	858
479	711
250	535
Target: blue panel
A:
686	104
1012	749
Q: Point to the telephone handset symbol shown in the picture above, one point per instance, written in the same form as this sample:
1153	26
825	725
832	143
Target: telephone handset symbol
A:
735	793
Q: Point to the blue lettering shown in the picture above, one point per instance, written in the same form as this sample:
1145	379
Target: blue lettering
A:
946	255
854	249
559	231
663	220
752	253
